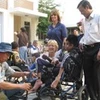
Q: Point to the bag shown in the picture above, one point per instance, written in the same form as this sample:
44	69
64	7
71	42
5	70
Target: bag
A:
72	69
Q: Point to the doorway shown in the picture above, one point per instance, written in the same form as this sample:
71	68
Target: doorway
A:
27	26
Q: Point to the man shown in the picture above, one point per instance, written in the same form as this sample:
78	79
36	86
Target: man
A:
90	43
6	70
34	47
23	42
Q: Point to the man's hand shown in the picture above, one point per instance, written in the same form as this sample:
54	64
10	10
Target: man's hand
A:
15	33
25	86
26	73
54	62
98	55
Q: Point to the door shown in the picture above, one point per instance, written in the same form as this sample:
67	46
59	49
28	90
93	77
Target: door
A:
27	26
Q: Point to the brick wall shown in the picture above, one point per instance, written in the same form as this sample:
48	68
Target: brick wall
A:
3	4
24	4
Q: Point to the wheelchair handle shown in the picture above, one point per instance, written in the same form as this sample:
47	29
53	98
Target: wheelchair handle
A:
46	58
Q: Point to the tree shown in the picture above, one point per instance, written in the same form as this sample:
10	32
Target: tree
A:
45	6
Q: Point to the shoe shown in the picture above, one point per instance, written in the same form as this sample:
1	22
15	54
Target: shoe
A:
27	92
37	84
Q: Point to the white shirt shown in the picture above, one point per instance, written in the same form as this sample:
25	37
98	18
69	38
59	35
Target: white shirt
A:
91	30
34	50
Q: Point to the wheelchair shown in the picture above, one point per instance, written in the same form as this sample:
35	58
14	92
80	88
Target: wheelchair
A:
67	87
18	94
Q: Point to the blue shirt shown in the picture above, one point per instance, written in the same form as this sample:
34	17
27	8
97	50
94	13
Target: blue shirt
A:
58	33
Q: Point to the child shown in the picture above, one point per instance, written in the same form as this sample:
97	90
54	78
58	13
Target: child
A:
69	59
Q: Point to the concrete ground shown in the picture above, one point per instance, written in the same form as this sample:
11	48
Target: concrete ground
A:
33	95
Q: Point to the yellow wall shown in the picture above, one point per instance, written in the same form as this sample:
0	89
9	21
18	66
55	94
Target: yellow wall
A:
17	25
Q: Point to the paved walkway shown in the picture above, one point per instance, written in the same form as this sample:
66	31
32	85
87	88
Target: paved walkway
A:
33	95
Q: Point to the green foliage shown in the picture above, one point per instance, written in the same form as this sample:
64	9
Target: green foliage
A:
45	6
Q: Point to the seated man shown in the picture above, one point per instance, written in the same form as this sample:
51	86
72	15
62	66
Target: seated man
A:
15	49
71	60
34	47
15	59
52	48
6	70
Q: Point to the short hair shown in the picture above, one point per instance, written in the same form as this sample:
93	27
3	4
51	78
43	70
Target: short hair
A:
23	29
54	12
84	4
14	45
35	41
53	42
72	39
79	23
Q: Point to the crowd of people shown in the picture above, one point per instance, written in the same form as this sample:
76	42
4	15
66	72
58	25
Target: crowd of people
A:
61	48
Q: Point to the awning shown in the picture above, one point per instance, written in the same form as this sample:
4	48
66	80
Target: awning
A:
25	12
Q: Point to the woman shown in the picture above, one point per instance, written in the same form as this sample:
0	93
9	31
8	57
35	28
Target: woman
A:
56	30
52	48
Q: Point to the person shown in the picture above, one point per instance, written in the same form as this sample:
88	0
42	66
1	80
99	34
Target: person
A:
52	48
15	59
6	70
22	42
56	30
71	59
90	45
34	47
15	50
77	32
29	49
80	28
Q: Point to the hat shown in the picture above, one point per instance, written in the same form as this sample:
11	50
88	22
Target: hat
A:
5	47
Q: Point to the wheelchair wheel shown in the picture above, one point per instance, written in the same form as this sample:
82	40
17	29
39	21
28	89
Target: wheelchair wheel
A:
83	93
45	93
63	98
16	68
13	79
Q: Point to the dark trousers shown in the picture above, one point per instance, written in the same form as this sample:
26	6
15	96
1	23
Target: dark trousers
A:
92	71
41	63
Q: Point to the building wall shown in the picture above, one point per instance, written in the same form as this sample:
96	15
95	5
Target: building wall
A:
17	25
12	20
24	4
0	26
19	21
3	4
17	3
